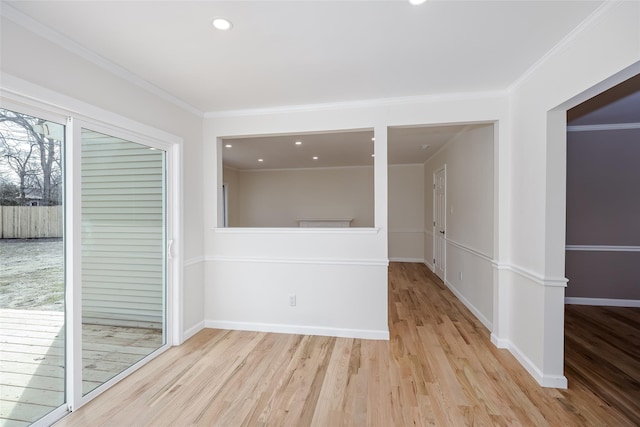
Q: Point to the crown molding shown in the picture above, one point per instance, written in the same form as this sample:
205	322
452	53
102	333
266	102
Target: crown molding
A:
365	103
594	16
76	48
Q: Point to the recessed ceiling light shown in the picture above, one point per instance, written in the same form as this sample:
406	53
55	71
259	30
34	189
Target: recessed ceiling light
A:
373	155
261	160
373	139
298	142
228	145
417	2
315	157
221	24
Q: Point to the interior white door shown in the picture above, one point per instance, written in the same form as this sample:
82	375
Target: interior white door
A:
439	221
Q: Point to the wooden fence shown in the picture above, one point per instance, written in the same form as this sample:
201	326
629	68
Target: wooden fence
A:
31	222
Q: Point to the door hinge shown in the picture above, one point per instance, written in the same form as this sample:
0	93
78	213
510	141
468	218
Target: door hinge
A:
434	260
434	223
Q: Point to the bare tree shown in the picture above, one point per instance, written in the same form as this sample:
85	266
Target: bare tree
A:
9	193
18	157
34	157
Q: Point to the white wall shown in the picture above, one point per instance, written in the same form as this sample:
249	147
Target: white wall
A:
469	160
348	267
406	213
529	202
530	284
338	276
279	198
40	69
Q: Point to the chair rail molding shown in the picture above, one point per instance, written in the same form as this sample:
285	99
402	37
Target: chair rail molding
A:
602	248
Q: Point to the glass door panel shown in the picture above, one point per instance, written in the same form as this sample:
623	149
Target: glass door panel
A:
123	255
32	265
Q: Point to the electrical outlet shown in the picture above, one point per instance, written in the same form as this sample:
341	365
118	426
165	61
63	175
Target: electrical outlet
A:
292	300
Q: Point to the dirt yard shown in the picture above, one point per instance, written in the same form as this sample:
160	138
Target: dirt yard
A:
32	274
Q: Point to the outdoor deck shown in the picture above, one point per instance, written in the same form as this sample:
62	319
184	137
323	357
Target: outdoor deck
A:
32	360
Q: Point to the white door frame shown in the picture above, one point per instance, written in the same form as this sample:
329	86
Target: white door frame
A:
172	306
436	232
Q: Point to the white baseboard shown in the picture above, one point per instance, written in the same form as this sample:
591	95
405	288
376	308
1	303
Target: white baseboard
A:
299	329
193	330
429	265
400	259
499	342
471	307
550	381
604	302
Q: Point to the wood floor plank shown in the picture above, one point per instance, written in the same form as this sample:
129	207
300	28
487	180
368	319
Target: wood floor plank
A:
20	367
10	393
439	368
329	406
32	359
20	411
602	353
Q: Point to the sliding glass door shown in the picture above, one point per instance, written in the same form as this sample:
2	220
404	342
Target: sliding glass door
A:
32	267
84	273
123	255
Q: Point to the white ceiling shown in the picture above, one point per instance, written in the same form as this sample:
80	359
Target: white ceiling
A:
333	149
415	144
406	145
307	52
300	52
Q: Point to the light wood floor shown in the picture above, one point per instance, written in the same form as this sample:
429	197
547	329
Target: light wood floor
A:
439	368
32	354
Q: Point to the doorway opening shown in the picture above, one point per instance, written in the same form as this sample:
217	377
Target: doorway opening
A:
421	206
602	304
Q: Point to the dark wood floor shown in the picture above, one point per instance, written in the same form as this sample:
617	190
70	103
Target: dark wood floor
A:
438	369
602	355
